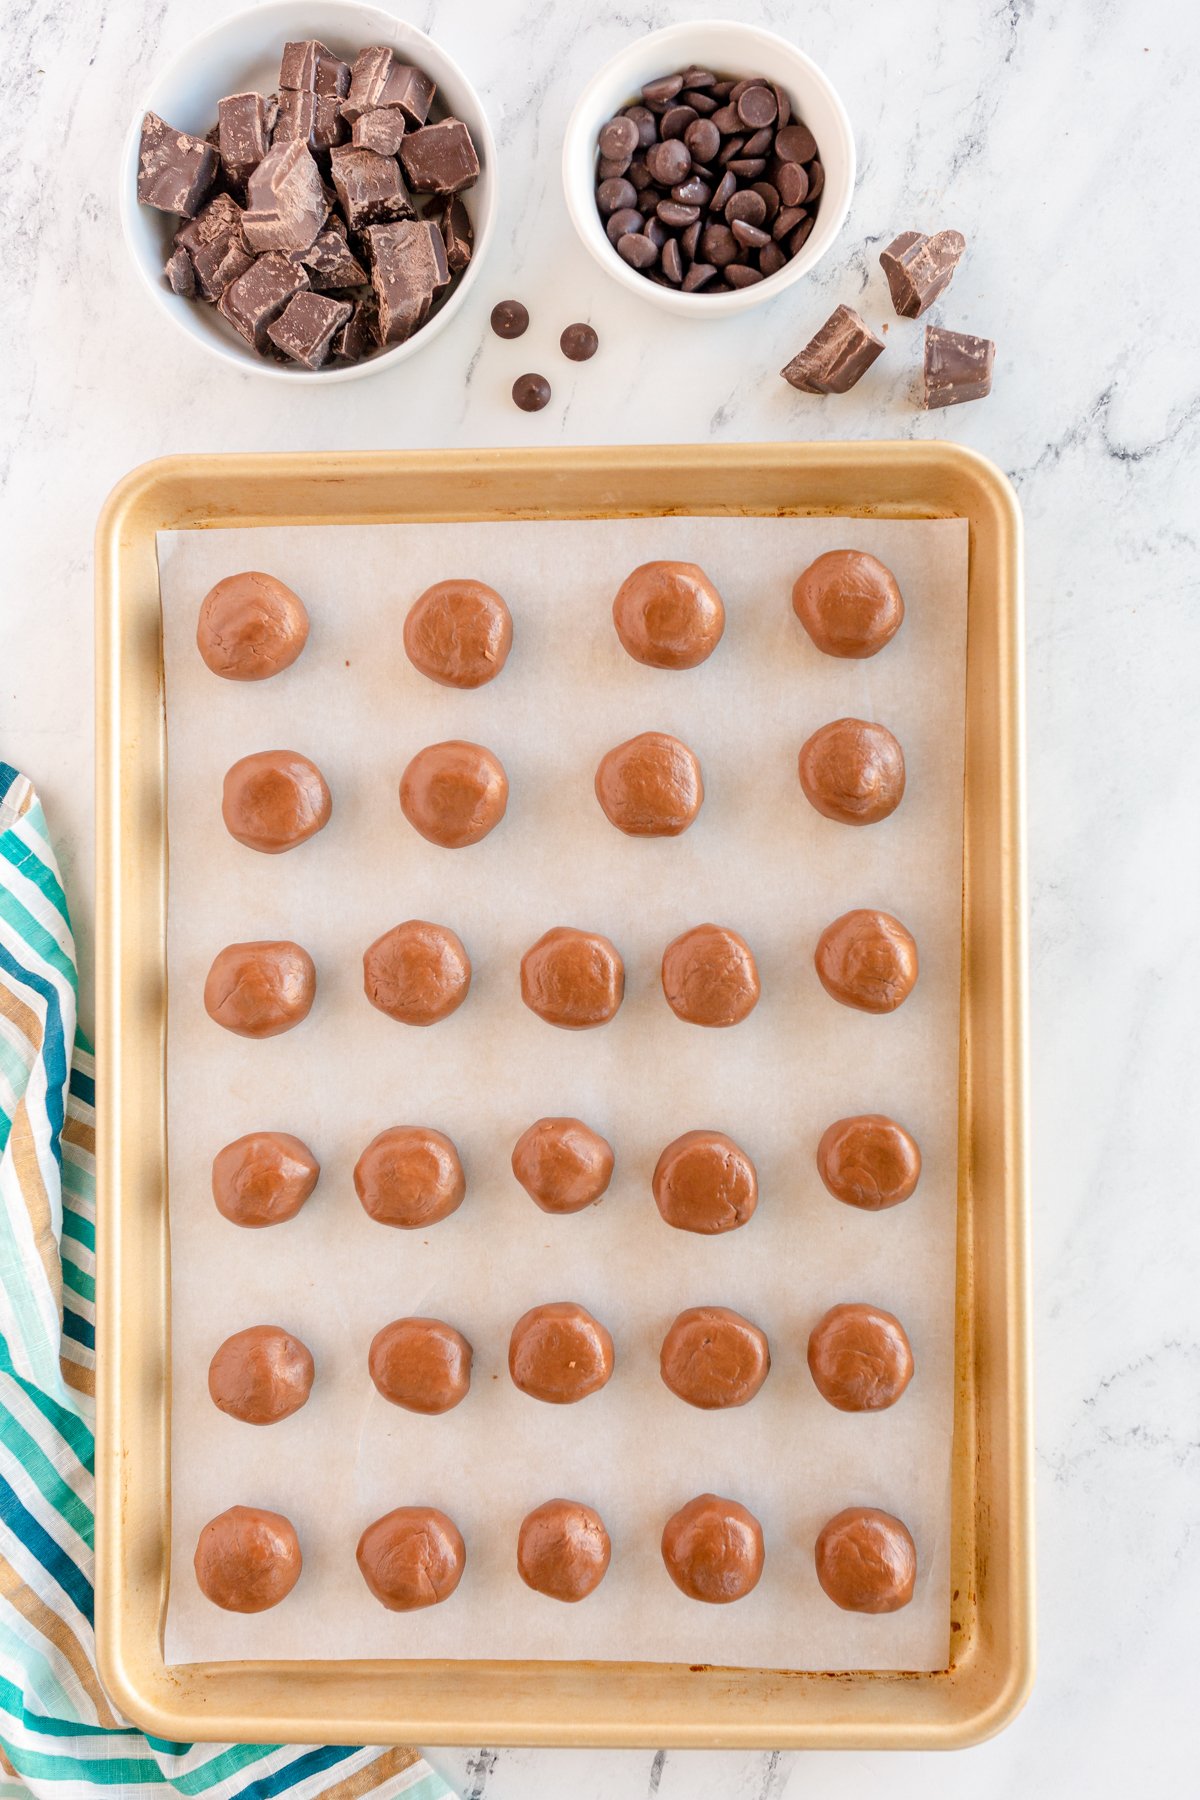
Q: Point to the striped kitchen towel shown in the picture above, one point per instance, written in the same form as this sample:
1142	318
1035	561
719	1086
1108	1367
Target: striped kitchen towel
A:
59	1735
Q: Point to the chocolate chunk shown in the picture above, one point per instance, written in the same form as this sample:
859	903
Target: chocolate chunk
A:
369	188
510	319
216	246
440	159
381	130
410	91
579	343
312	119
286	200
377	79
181	276
408	272
242	136
175	170
311	67
841	352
957	367
531	392
330	261
256	299
306	328
359	336
454	222
919	268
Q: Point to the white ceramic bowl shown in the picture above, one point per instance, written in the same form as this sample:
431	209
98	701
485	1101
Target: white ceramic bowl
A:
243	53
730	49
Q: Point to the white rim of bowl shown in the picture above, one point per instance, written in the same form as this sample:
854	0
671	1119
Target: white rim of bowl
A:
246	361
701	306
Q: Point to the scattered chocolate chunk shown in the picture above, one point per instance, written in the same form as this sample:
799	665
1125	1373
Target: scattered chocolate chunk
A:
842	351
369	188
330	261
454	222
408	272
510	319
311	67
440	159
180	274
531	392
380	130
214	242
256	299
919	268
242	136
579	343
957	367
377	79
175	170
286	203
306	328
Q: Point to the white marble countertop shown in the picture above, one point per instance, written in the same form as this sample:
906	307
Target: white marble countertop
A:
1057	134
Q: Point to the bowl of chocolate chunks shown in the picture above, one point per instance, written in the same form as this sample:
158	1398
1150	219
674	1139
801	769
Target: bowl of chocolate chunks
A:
708	166
308	191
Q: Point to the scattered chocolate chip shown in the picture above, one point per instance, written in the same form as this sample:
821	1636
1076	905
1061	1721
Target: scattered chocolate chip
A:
510	319
579	343
531	392
838	356
957	367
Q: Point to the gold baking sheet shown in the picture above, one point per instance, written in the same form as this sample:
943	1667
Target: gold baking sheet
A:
570	1703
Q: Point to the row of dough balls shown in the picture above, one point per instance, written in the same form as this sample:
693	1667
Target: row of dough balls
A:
668	615
712	1358
248	1560
420	973
411	1176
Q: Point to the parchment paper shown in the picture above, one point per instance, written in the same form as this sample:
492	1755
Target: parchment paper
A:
759	858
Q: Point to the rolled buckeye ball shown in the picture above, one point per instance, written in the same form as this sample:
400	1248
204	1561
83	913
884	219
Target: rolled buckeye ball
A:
261	1375
410	1177
454	793
263	1178
412	1557
259	990
248	1560
650	786
274	800
562	1164
869	1161
866	1561
559	1353
251	627
853	772
849	603
423	1365
709	976
459	633
860	1358
563	1550
867	960
712	1357
669	615
573	979
706	1183
713	1550
417	973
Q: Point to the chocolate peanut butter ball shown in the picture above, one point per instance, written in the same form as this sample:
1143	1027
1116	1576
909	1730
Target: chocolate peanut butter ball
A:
860	1358
853	772
263	1178
274	800
459	633
454	793
412	1557
709	976
410	1177
563	1550
559	1353
866	959
669	615
417	973
251	627
704	1183
869	1161
261	1375
866	1561
248	1560
261	989
712	1357
650	786
562	1164
423	1365
713	1549
573	979
848	603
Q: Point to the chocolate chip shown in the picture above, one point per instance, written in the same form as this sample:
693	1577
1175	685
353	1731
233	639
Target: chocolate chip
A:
620	137
771	259
510	319
792	182
795	143
756	107
669	162
612	195
702	139
639	174
578	343
758	143
724	191
727	119
660	91
646	123
675	121
611	168
748	205
698	78
690	239
531	392
718	245
769	196
699	102
637	250
816	178
698	276
786	221
750	235
672	261
748	168
692	192
800	236
731	149
740	275
655	231
627	218
677	216
783	104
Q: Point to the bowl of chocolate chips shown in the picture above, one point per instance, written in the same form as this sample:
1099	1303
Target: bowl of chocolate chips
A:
708	166
308	190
